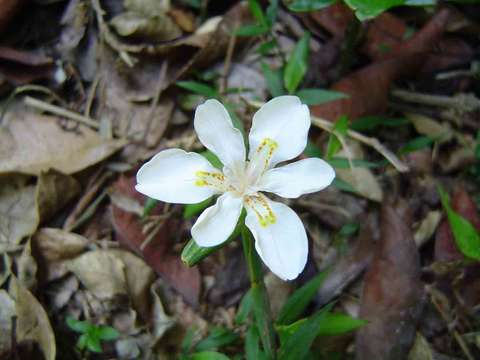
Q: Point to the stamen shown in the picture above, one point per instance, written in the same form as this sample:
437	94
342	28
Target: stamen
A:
270	146
261	208
213	179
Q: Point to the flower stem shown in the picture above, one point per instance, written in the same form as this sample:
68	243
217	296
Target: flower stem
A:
261	305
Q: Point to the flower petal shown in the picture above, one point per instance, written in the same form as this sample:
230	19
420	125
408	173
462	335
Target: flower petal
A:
298	178
217	222
283	244
170	176
215	130
285	121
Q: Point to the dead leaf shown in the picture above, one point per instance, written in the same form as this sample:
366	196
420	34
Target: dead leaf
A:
5	268
430	127
161	321
125	203
157	253
421	349
18	213
57	244
32	320
404	59
27	268
101	273
54	191
393	295
427	227
31	143
7	312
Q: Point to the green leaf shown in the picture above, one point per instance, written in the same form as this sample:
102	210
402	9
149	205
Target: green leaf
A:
272	12
273	79
217	338
208	355
296	67
308	5
251	30
466	236
107	333
369	9
312	150
343	185
78	325
93	344
416	144
190	210
338	324
319	96
266	47
244	309
300	299
252	344
188	340
372	122
257	12
349	229
198	88
212	158
149	206
237	123
297	345
334	144
82	341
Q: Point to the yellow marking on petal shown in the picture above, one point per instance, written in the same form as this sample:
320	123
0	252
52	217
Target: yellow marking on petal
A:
265	214
213	179
270	146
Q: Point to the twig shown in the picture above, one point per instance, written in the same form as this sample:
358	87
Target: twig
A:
91	95
57	110
227	63
372	142
461	102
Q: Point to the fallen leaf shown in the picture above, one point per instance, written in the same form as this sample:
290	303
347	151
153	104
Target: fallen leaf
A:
7	312
18	213
393	296
421	349
403	60
430	127
27	268
101	272
427	227
161	322
30	144
32	320
54	191
157	253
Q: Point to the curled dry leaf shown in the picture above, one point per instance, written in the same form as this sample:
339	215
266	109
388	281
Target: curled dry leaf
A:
53	247
101	272
32	320
403	60
161	322
393	294
7	312
30	144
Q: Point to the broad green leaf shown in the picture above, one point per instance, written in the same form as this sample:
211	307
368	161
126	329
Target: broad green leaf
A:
212	158
82	341
274	80
308	5
208	355
348	229
466	235
251	30
299	300
334	145
149	206
272	12
319	96
78	325
416	144
244	309
296	67
371	8
107	333
190	210
188	340
266	47
252	343
93	344
257	12
198	88
297	345
217	338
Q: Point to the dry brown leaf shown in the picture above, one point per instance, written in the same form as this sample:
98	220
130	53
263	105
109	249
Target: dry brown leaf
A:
421	349
54	191
7	312
27	268
430	127
18	213
5	268
427	227
125	203
31	143
57	244
101	273
161	321
32	320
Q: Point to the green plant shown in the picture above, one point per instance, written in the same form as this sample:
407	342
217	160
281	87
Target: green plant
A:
91	335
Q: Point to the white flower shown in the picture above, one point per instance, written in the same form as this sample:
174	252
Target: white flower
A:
279	132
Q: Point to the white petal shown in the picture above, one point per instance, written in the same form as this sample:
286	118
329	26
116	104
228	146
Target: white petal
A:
284	120
283	245
170	176
215	130
298	178
217	222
